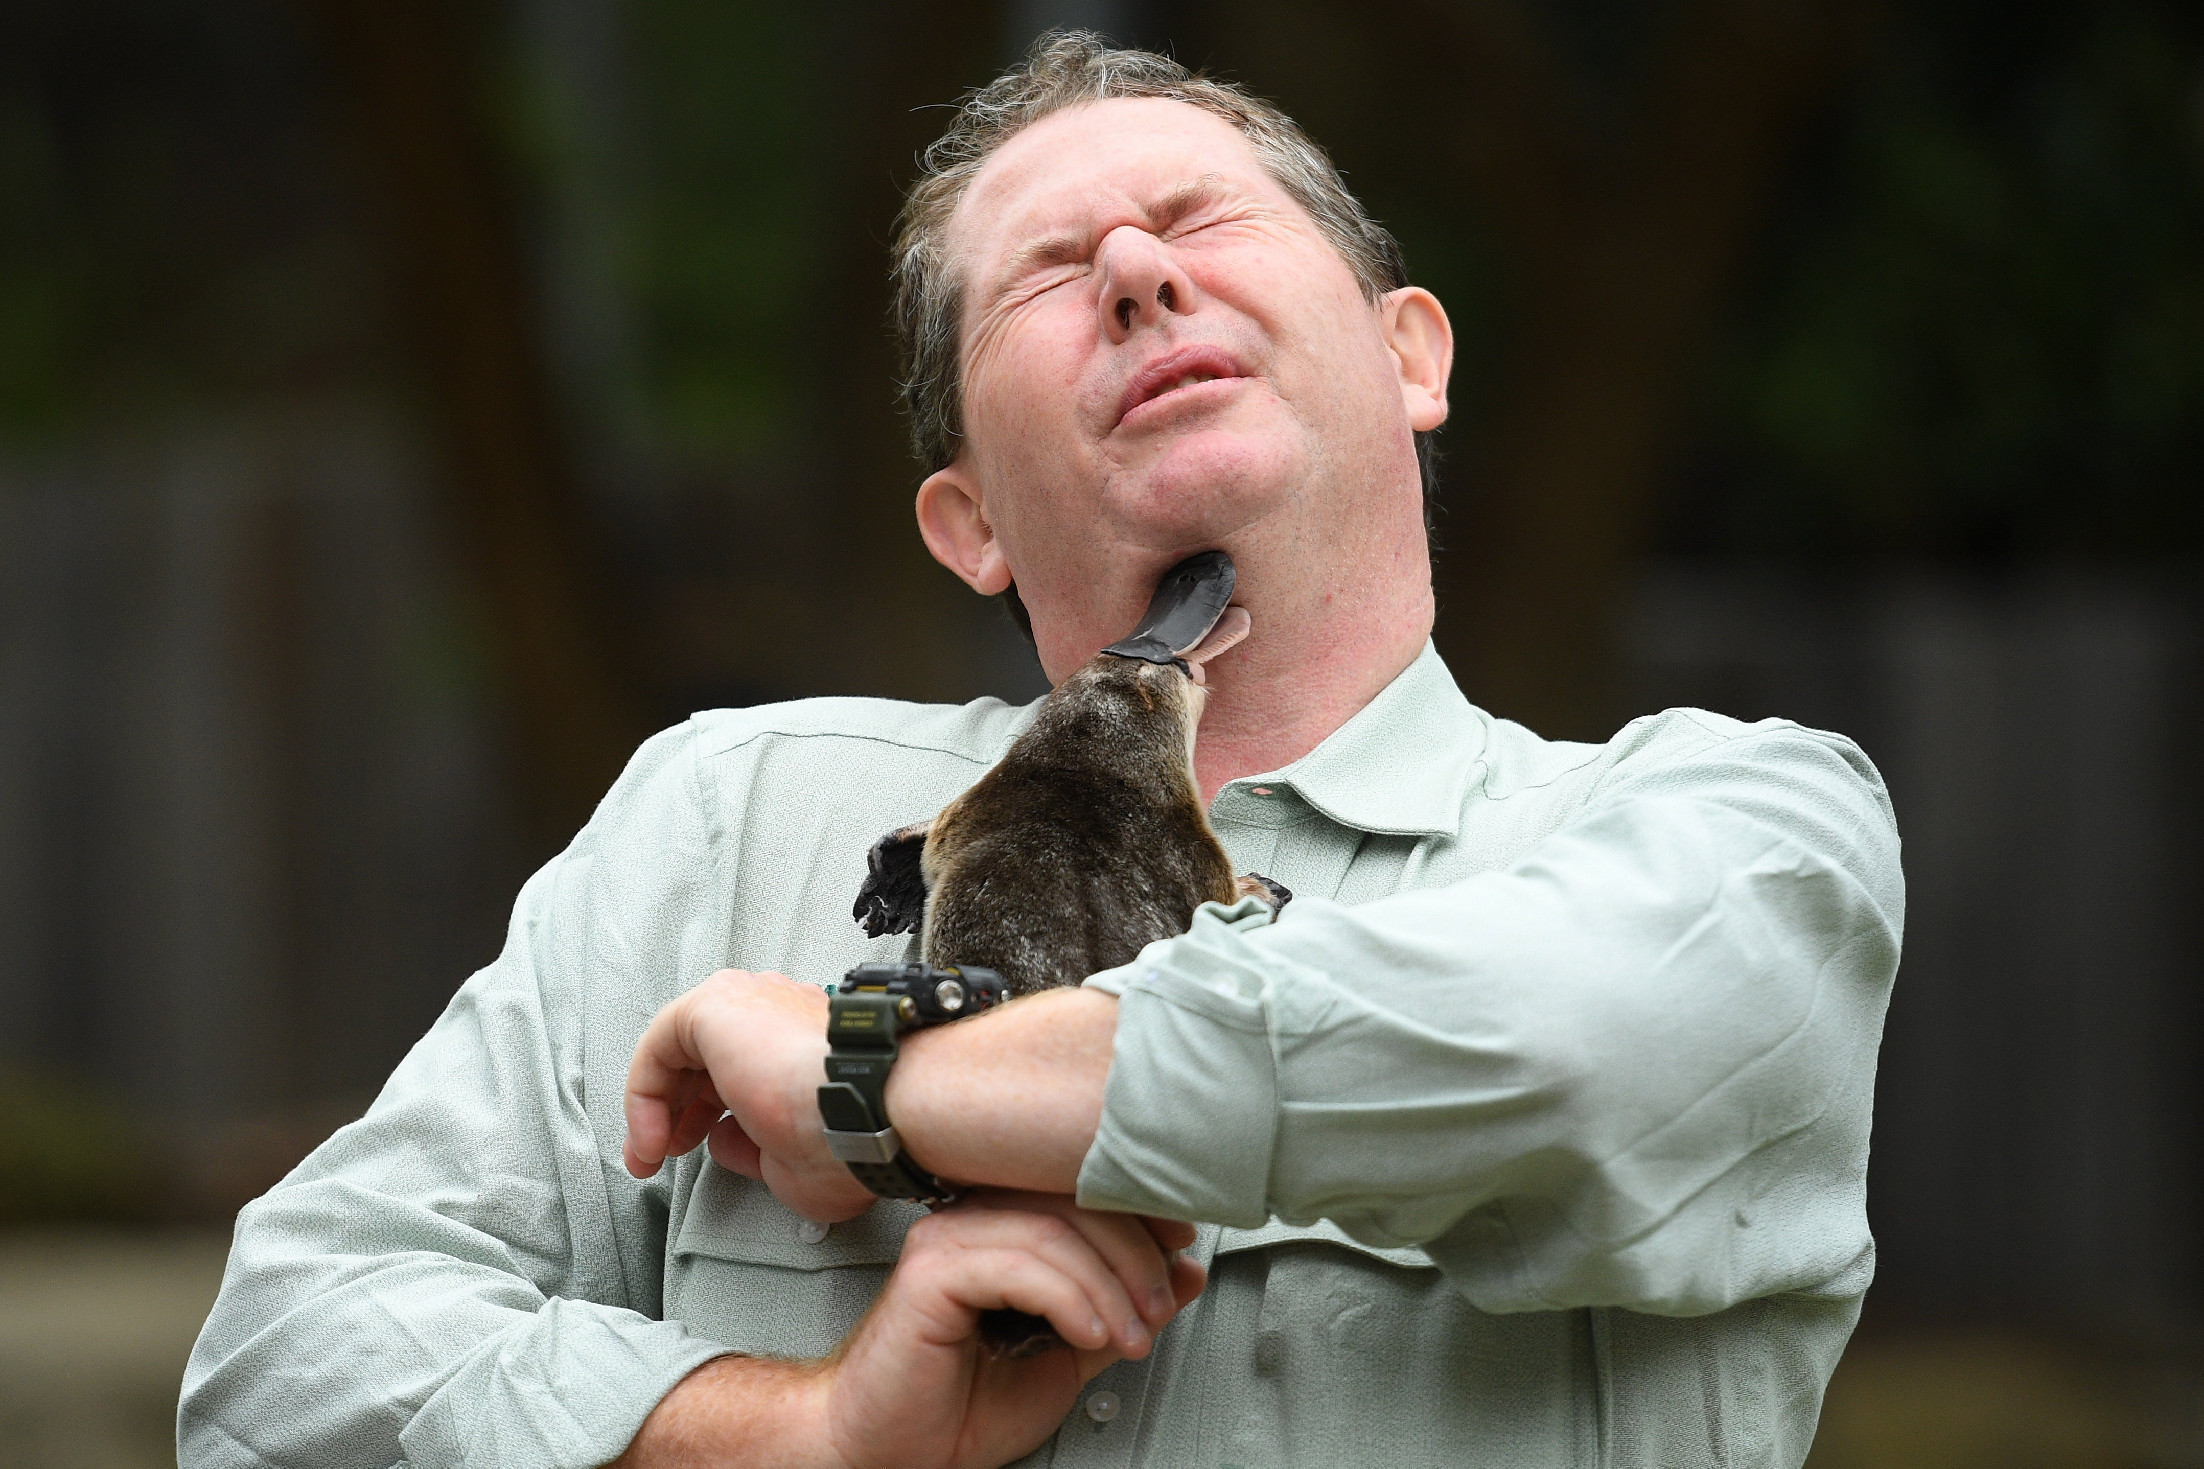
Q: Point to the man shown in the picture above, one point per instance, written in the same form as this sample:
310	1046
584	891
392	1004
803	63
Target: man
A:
1534	1133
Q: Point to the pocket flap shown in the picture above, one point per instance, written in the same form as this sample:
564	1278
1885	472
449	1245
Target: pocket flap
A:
1322	1231
730	1217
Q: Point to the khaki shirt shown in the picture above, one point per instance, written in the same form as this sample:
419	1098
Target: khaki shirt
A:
1534	1133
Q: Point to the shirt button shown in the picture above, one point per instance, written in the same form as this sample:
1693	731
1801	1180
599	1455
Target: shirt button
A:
811	1231
1103	1406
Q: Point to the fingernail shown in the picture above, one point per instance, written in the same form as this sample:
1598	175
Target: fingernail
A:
1136	1337
1161	1302
1096	1329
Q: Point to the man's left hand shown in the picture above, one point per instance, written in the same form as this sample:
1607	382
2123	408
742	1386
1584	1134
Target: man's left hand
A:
752	1047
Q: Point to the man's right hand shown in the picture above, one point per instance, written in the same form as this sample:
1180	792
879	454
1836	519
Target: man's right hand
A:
910	1387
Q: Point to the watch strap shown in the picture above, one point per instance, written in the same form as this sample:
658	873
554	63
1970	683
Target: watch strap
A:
861	1036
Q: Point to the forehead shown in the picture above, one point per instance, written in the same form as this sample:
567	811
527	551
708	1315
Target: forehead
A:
1103	160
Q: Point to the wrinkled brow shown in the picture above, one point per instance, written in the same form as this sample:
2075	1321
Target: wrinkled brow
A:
1065	248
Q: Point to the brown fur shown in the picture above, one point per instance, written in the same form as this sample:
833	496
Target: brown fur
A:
1087	841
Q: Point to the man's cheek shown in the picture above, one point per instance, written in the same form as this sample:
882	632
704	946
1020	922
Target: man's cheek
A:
1028	434
1024	400
1037	450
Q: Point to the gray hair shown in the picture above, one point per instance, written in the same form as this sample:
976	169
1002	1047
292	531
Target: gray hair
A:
1066	69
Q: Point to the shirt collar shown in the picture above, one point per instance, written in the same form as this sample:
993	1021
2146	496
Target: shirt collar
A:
1402	764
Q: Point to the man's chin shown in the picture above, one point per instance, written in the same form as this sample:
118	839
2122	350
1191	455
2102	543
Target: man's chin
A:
1204	486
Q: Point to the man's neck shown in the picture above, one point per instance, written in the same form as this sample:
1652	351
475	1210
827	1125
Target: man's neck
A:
1317	655
1339	605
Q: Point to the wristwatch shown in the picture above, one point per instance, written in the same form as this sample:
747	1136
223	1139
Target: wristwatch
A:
873	1005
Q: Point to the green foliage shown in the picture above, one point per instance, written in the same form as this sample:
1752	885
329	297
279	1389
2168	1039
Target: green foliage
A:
700	159
1980	327
42	277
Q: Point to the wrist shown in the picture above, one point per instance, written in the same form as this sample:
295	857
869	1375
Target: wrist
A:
870	1015
812	1415
768	1413
1011	1099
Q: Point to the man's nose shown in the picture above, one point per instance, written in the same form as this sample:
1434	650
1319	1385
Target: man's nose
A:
1141	284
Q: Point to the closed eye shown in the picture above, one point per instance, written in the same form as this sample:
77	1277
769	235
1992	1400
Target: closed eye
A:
1210	219
1041	282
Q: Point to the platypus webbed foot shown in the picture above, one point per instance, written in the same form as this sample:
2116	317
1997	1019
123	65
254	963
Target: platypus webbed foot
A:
893	899
1277	894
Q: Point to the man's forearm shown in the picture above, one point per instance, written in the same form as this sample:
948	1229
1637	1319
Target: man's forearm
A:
1010	1099
747	1410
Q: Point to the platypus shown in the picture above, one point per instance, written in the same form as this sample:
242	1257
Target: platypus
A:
1088	840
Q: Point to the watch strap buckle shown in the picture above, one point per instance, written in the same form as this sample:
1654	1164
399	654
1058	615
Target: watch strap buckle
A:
883	1146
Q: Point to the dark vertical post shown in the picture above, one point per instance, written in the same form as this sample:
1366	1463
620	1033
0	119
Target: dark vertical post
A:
516	515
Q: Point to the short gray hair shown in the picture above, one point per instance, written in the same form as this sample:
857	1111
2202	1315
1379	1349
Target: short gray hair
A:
1066	69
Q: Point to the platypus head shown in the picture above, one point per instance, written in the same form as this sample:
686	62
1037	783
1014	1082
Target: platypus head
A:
1139	701
1152	704
1157	668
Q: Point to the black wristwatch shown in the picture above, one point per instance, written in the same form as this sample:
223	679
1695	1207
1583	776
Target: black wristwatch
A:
875	1004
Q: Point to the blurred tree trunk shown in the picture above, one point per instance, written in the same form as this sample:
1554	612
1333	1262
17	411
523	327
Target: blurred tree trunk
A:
1621	240
903	625
541	580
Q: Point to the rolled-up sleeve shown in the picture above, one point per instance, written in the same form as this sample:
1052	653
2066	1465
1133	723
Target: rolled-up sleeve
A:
458	1277
1633	1068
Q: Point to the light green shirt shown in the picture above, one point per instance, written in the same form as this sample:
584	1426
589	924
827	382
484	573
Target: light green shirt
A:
1534	1133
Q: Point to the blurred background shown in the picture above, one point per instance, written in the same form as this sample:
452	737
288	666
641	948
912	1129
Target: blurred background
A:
405	405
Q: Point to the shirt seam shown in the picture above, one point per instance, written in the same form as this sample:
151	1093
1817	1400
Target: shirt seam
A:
707	811
1716	739
891	741
1483	787
1782	729
1323	765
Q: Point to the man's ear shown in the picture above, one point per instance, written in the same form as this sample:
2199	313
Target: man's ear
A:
1422	340
954	523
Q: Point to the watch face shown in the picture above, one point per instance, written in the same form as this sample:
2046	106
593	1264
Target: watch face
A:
923	994
861	1021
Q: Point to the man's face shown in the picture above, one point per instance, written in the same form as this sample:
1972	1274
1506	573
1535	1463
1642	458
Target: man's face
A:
1160	348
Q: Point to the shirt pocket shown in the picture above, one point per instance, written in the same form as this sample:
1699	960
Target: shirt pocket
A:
1297	1273
1318	1346
749	1273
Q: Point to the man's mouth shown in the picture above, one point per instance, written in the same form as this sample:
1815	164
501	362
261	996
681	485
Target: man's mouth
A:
1189	367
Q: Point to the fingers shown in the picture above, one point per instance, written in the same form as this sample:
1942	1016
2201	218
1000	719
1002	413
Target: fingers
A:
733	1150
1188	1277
1135	1263
664	1079
1133	1247
727	1026
1126	1277
695	1119
1170	1234
1020	1280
